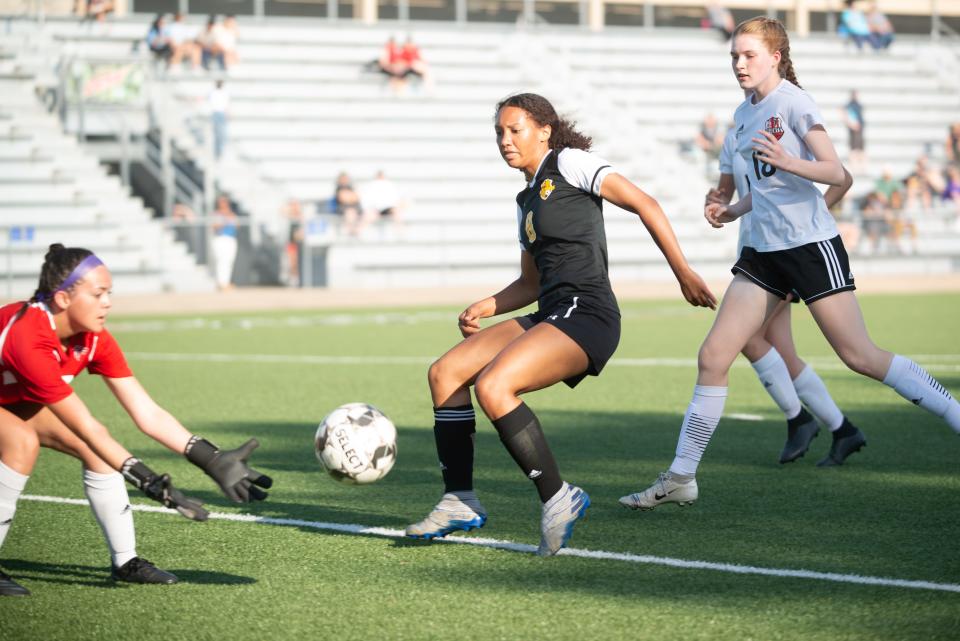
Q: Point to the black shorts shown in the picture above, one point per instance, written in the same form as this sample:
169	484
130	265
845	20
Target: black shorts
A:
812	271
594	327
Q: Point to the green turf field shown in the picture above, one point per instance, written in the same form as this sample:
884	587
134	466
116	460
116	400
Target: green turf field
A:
893	511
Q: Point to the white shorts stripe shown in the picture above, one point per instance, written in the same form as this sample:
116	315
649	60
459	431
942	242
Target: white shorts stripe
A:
836	262
572	307
829	266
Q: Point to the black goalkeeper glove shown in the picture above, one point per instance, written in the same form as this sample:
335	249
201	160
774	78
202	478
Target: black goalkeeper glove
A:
229	469
159	488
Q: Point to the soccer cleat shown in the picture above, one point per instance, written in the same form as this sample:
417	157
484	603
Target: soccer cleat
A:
666	489
801	430
843	447
139	570
9	587
455	511
560	514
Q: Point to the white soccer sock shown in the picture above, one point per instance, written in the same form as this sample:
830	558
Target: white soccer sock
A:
814	394
917	386
699	422
11	486
110	504
773	374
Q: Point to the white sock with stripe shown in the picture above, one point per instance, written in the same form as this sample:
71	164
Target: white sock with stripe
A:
11	487
773	374
110	504
917	386
699	423
815	396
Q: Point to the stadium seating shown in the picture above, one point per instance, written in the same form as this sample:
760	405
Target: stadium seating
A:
303	108
51	190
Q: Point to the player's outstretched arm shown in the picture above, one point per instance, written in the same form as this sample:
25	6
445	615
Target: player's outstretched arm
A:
623	193
75	415
228	468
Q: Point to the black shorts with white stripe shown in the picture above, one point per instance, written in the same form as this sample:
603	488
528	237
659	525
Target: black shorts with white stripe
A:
813	271
592	324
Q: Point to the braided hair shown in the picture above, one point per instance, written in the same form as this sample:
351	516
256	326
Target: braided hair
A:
774	36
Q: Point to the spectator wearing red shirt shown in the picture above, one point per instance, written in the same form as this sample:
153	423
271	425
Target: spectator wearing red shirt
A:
44	344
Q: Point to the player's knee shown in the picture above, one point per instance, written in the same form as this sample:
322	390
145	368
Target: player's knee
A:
438	375
857	361
23	446
710	359
488	390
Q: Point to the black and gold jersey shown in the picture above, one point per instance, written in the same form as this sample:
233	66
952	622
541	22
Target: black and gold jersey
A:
560	215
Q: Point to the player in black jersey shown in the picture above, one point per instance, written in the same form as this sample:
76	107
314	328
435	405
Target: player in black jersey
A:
563	266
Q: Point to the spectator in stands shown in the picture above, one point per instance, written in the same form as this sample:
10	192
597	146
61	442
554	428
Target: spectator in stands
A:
891	189
951	191
183	41
875	221
853	25
853	120
414	63
720	18
709	139
293	212
158	39
952	145
382	199
346	203
881	29
922	185
210	44
219	103
391	64
228	37
225	227
94	9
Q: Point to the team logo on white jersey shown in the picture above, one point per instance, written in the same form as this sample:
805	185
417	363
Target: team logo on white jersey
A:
546	188
774	126
528	227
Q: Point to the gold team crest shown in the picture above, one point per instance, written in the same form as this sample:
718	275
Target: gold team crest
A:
528	227
546	188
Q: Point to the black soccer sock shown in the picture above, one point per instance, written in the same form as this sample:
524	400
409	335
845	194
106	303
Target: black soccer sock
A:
846	429
521	434
453	430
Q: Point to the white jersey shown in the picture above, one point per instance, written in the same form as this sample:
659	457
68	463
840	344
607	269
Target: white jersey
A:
788	211
731	163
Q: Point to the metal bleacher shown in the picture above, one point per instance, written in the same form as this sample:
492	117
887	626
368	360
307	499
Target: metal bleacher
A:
303	108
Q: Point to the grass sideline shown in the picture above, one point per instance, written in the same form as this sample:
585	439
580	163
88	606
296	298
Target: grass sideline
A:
892	511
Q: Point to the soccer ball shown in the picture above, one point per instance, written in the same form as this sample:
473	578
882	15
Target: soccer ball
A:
356	443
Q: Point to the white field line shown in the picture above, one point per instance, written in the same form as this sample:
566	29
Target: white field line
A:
349	528
931	362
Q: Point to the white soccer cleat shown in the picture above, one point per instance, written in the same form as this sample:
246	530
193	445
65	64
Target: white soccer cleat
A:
560	514
455	511
666	489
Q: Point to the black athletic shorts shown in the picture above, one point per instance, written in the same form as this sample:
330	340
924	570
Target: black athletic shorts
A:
812	271
594	327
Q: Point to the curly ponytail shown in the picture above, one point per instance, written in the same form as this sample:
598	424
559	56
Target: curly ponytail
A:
774	36
563	132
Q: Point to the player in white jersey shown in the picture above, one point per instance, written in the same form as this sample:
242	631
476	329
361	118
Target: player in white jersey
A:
794	246
791	383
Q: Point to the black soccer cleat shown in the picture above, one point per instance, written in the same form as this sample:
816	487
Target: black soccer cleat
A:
843	446
9	587
801	430
139	570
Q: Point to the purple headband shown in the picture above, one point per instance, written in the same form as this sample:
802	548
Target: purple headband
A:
88	263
